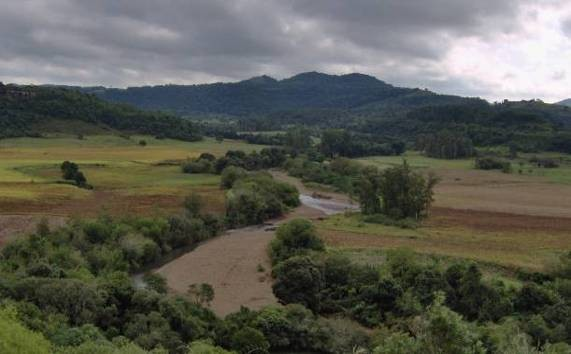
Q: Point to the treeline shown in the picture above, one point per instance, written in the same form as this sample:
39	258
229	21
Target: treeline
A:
208	163
445	145
341	142
424	306
26	108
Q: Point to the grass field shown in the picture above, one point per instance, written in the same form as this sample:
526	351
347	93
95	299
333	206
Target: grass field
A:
127	177
509	220
416	160
510	241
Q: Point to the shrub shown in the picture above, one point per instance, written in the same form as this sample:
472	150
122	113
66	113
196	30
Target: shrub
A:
193	204
493	163
230	175
298	280
293	238
250	340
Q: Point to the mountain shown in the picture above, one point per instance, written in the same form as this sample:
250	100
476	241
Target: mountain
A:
35	110
263	94
566	102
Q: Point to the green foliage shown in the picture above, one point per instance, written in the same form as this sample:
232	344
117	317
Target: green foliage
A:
202	347
250	340
70	171
266	158
397	192
155	282
230	175
16	338
23	109
445	145
294	238
298	280
257	197
193	204
341	142
493	163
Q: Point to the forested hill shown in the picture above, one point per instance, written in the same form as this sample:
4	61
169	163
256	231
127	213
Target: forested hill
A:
35	110
566	102
264	94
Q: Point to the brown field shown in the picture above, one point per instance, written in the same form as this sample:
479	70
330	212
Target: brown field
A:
504	193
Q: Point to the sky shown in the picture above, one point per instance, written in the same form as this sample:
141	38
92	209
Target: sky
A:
495	49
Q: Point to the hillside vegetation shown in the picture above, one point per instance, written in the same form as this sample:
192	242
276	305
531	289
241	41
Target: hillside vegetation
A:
33	111
359	103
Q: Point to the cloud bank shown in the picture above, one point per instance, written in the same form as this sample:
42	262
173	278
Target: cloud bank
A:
516	49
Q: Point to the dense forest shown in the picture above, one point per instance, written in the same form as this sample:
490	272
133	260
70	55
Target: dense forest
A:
359	103
33	110
311	90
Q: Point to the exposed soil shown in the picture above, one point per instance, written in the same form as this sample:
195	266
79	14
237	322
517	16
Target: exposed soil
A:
114	203
502	193
14	225
488	221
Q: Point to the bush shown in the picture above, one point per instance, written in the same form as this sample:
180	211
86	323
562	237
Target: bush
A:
193	204
293	238
230	175
492	163
198	166
249	340
298	280
258	197
381	219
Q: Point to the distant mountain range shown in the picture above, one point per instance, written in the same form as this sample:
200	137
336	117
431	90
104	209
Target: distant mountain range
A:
566	102
264	94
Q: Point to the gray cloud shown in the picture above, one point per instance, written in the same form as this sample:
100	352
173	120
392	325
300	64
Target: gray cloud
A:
133	42
566	26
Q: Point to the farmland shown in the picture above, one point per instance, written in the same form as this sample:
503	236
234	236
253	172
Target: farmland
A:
128	178
511	220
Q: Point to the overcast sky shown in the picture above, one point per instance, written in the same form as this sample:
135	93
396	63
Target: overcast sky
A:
496	49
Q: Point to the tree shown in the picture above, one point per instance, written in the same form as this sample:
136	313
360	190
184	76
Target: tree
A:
294	237
298	280
397	192
250	341
298	138
193	204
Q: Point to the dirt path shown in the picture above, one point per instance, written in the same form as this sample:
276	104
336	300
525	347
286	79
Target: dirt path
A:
236	264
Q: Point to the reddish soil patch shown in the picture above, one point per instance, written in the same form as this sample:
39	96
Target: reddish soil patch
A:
15	225
104	201
497	222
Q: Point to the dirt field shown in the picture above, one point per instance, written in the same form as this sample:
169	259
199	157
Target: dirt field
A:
504	193
508	240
